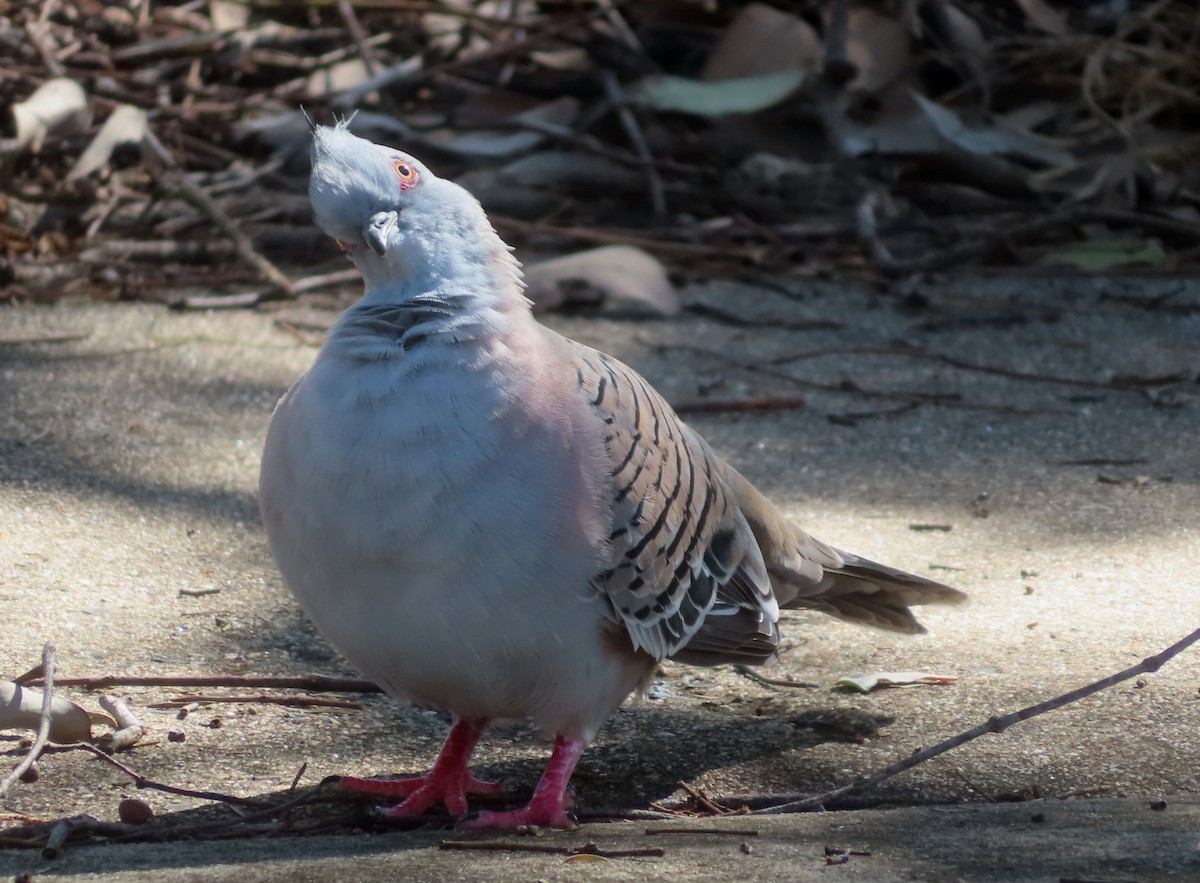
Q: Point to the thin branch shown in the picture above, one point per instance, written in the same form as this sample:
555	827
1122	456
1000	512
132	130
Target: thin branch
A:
705	801
43	730
317	683
586	849
751	254
992	725
259	699
747	672
346	11
849	387
173	178
915	352
140	781
612	88
44	338
1005	235
727	832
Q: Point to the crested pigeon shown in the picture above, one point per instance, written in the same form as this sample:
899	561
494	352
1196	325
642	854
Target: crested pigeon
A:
495	521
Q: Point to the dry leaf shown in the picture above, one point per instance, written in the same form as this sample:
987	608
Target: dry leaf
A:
57	105
21	709
228	16
489	143
739	95
614	272
337	78
1044	18
879	46
764	40
1098	255
868	682
991	141
125	125
563	170
572	58
965	35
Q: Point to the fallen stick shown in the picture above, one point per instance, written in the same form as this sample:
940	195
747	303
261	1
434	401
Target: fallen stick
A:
750	674
753	254
45	338
258	699
637	139
992	725
586	849
140	781
725	832
172	178
318	683
129	728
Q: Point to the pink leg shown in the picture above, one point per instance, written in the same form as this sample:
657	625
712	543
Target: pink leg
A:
548	806
448	783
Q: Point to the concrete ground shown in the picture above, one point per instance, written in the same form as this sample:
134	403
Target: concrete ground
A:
128	463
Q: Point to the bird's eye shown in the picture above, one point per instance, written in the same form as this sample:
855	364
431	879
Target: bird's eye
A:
406	173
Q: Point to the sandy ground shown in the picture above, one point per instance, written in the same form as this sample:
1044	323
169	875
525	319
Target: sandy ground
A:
128	464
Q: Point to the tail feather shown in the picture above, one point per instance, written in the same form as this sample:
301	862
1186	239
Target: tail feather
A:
806	572
861	591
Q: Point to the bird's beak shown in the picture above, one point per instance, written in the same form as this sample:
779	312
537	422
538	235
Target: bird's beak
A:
378	231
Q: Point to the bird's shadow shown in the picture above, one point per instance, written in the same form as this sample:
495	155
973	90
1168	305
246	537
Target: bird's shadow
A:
642	753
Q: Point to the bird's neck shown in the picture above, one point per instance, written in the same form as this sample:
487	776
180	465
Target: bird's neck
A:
397	315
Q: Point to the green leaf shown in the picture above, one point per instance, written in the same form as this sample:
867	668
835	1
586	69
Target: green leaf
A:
717	97
1104	254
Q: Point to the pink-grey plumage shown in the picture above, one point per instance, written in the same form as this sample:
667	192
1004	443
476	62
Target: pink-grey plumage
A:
490	519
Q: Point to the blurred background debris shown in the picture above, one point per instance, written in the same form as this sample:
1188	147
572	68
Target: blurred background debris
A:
155	150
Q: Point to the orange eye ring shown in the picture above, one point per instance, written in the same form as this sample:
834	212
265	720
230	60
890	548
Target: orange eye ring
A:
406	173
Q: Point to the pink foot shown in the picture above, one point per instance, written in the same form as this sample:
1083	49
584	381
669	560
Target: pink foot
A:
448	783
548	807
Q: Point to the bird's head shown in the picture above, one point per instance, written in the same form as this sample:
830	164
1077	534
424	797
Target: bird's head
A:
401	225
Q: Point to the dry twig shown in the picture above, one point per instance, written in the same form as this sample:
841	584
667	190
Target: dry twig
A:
43	730
259	699
317	683
174	179
586	849
747	672
992	725
612	88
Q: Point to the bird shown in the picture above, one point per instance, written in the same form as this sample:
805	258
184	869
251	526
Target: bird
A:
494	521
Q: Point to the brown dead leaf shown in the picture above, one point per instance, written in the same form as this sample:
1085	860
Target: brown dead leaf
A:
21	709
867	682
1044	18
879	46
764	40
965	36
614	272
